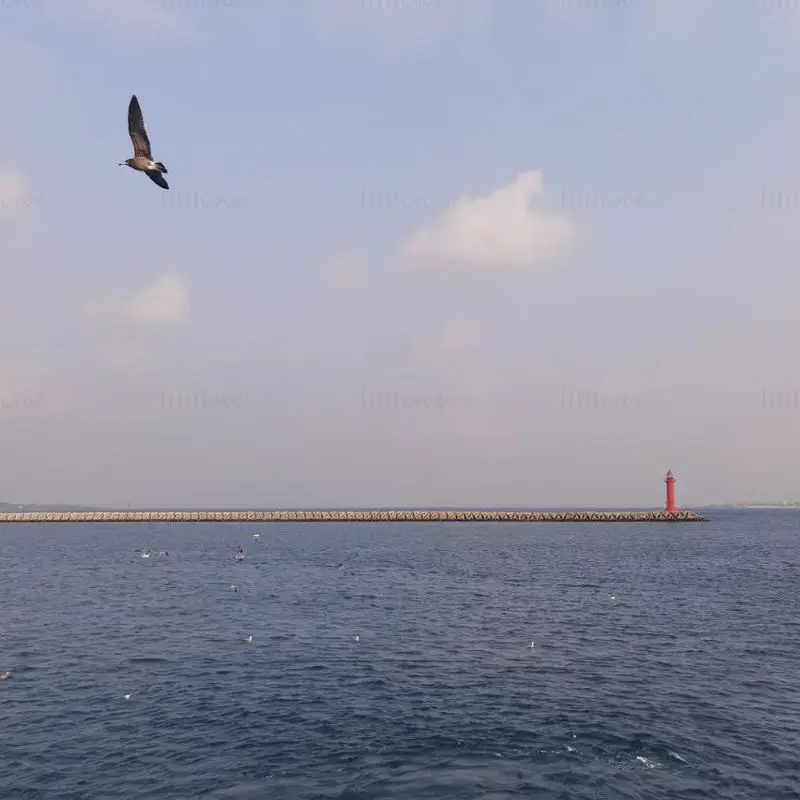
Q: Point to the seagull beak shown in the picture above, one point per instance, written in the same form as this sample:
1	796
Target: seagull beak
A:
121	164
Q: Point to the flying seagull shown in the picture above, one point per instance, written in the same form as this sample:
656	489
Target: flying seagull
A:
142	159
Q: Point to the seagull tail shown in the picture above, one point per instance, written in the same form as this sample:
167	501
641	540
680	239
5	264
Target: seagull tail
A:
161	167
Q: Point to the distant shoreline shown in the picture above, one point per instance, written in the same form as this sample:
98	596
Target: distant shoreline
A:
377	516
25	508
756	506
21	508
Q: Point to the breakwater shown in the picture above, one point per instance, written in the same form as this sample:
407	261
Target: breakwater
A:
376	515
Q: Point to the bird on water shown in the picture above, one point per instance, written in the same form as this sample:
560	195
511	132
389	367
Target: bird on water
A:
142	158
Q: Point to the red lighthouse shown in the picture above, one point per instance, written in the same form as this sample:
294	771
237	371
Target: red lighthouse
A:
670	481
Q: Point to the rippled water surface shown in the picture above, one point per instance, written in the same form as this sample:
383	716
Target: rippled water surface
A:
666	661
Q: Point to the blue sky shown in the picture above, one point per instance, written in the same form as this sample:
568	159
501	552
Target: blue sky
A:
414	252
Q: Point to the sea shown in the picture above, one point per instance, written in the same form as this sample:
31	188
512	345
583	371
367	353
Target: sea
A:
471	660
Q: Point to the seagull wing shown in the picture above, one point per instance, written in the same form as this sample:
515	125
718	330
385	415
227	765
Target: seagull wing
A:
156	177
141	144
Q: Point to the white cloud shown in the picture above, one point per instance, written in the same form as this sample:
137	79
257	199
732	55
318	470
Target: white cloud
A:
685	27
29	393
345	272
15	195
22	66
497	232
391	22
138	17
125	356
455	339
676	19
20	389
165	302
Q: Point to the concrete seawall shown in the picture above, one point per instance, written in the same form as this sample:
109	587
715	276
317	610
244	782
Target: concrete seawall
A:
351	516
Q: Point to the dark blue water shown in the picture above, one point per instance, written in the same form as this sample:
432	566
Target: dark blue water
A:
666	661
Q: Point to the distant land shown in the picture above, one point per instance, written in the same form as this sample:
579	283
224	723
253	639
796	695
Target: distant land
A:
6	508
13	508
782	504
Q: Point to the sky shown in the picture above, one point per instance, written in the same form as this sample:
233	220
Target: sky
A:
413	253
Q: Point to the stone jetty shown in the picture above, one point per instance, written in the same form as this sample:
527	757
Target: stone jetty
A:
376	515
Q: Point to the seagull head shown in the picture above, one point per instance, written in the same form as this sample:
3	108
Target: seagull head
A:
125	163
